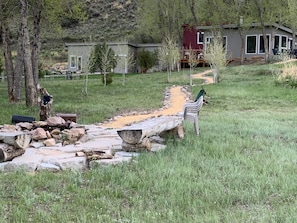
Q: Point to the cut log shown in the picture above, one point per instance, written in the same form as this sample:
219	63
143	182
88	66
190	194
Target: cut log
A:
8	152
45	104
96	155
144	145
20	140
135	133
131	136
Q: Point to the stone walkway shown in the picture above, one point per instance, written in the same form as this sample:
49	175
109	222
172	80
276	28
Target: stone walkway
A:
102	137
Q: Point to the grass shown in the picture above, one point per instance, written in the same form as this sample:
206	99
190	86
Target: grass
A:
242	168
141	92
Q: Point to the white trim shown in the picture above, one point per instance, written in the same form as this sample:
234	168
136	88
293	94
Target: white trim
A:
281	43
246	45
259	43
75	61
198	38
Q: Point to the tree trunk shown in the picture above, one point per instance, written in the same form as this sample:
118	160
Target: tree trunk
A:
36	40
8	59
31	91
19	67
45	104
265	43
242	45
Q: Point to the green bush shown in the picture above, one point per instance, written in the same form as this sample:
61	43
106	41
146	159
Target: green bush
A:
41	73
146	60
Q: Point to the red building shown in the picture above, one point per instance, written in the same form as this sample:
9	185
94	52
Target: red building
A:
193	40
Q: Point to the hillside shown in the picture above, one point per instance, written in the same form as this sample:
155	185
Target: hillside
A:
108	20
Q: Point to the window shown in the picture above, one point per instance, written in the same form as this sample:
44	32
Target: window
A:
200	37
262	46
72	61
209	40
276	42
251	44
284	42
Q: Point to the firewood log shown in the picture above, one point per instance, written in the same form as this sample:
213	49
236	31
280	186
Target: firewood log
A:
8	152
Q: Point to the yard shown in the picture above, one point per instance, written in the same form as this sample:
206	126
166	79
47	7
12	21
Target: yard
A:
240	169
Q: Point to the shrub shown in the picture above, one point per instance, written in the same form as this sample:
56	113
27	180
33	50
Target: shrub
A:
146	60
41	73
287	76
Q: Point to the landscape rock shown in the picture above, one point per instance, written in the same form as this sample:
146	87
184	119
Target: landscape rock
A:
40	124
28	162
38	134
107	162
25	125
10	128
49	142
74	134
48	167
37	144
55	131
55	121
74	163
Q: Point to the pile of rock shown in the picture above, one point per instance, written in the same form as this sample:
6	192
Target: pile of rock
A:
14	139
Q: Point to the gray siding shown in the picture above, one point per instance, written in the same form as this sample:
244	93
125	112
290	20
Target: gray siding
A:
275	32
125	51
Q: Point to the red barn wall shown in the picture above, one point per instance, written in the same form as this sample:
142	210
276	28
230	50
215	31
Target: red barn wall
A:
190	38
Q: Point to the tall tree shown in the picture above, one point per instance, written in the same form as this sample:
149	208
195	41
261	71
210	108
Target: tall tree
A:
290	18
31	89
169	54
28	47
19	66
162	18
5	34
265	13
103	59
37	9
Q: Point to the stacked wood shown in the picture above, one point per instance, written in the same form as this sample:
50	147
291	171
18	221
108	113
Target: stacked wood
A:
15	144
8	152
137	136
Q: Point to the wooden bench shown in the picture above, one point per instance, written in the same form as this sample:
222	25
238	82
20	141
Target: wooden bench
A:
67	116
136	136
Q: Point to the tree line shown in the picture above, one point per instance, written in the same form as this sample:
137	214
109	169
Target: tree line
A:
30	17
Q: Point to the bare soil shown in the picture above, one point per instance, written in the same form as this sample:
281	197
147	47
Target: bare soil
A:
178	97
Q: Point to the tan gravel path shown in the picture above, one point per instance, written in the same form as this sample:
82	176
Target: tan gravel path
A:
177	100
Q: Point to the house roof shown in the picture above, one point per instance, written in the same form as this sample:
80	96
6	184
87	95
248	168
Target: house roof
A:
139	45
235	26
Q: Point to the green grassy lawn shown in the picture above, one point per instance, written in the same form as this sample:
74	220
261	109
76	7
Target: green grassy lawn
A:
242	168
